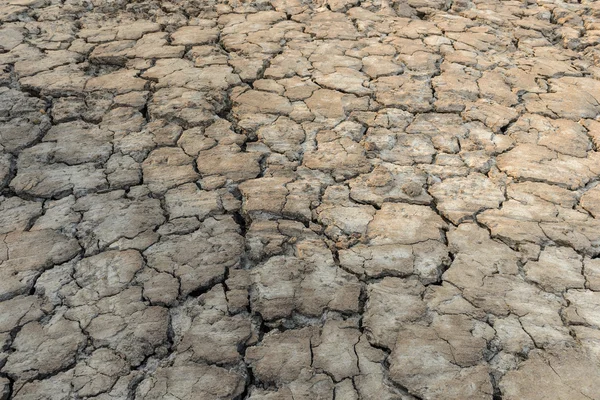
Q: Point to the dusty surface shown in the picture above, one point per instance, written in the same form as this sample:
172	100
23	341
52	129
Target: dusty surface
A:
282	200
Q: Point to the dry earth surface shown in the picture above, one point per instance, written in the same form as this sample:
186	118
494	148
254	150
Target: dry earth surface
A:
277	200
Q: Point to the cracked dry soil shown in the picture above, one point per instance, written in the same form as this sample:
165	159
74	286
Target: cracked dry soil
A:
282	200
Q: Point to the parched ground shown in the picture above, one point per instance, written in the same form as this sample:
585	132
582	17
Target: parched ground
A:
282	200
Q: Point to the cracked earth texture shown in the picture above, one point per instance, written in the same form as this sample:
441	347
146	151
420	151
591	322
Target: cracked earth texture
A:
277	200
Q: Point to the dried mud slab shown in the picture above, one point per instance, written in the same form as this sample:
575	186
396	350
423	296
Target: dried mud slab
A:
285	199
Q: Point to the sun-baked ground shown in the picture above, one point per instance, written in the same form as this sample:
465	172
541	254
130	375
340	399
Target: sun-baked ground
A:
277	200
